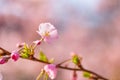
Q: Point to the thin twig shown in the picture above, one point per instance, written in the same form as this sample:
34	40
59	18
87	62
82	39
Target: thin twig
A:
63	62
97	75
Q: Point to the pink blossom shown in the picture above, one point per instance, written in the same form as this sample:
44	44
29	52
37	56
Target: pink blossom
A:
51	70
47	31
15	55
3	60
37	42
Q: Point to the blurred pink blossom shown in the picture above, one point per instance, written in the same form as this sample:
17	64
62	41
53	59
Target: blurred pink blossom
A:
15	55
51	70
47	31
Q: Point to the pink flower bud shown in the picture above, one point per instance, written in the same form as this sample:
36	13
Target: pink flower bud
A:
37	42
15	55
51	70
47	31
3	60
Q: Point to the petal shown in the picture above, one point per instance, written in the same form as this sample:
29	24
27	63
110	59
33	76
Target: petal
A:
51	70
53	34
43	27
47	39
50	27
53	73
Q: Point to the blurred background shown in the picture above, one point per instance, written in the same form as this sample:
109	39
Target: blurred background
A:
91	28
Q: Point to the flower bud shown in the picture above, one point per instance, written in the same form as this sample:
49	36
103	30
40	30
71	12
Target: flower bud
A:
3	60
15	55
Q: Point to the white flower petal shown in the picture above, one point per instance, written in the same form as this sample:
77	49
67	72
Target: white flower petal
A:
47	31
54	34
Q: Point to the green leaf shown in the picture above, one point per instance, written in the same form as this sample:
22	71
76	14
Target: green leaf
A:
76	60
86	74
26	49
43	57
51	60
24	55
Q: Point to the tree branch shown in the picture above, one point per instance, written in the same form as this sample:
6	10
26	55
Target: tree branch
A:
4	52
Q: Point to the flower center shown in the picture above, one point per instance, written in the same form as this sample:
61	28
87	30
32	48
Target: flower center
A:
46	34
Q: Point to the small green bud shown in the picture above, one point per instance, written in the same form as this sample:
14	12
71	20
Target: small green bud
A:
76	59
86	74
43	57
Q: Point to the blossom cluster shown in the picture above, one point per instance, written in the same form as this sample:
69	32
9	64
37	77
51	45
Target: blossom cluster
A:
48	33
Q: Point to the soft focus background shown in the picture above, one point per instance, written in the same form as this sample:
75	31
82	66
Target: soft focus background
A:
91	28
